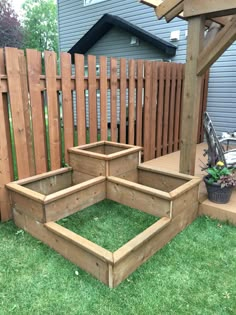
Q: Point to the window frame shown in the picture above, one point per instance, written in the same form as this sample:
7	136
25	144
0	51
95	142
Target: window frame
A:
86	3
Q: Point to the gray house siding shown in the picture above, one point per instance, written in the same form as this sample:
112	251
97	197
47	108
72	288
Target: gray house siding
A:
75	20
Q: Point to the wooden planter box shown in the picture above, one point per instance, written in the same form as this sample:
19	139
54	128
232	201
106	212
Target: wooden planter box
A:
53	195
103	158
39	201
157	192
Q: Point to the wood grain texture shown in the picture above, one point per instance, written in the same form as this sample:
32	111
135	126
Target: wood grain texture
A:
17	111
160	109
139	104
147	106
123	100
131	100
53	109
103	97
6	166
72	251
191	98
67	105
93	124
113	100
80	99
34	67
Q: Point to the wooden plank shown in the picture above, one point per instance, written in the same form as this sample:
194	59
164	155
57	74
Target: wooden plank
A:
27	110
178	105
62	204
123	100
123	164
42	176
92	92
217	46
78	177
166	6
70	250
80	241
80	99
167	67
139	104
113	74
191	100
131	100
151	3
87	165
29	207
103	97
172	109
147	105
52	184
140	239
53	109
175	12
17	110
24	191
163	182
138	199
6	165
130	262
34	66
153	110
213	8
160	109
67	105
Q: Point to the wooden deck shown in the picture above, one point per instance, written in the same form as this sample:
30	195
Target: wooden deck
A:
225	212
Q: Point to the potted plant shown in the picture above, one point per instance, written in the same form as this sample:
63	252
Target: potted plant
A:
220	181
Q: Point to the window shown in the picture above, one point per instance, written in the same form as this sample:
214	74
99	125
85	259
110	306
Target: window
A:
89	2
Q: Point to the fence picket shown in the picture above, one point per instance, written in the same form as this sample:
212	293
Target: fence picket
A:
17	111
34	67
67	106
80	99
147	106
153	110
92	92
172	109
139	104
113	82
166	108
103	97
160	109
131	100
123	100
53	110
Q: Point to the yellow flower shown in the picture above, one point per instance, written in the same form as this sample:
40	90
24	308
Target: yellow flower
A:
220	164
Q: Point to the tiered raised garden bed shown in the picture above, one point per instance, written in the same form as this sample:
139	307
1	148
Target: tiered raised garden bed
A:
104	170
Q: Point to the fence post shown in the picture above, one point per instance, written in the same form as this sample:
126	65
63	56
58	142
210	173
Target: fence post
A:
6	166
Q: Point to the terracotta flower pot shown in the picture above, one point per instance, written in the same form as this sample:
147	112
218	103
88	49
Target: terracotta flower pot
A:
216	193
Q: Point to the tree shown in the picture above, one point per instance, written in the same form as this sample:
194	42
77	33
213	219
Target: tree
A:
10	28
40	24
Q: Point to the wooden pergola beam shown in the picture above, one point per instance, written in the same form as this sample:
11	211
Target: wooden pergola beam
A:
174	12
218	45
151	3
209	8
166	7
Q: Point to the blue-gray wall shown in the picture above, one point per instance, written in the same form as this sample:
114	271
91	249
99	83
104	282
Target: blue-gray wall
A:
75	20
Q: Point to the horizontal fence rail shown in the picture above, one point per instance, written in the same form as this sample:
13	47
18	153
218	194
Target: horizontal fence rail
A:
49	105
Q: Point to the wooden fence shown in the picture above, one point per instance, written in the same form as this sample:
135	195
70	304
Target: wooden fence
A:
139	102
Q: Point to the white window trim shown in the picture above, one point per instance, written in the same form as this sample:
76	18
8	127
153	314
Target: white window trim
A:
91	2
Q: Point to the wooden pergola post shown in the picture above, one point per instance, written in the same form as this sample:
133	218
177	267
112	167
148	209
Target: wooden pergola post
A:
191	98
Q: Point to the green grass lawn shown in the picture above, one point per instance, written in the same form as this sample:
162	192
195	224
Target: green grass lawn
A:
108	223
193	274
